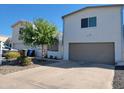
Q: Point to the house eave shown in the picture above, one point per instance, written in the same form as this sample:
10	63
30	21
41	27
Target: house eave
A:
90	7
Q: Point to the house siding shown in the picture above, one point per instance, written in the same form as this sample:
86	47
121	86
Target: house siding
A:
108	29
16	43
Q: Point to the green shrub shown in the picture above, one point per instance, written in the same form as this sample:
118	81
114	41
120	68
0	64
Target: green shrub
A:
25	61
12	54
19	60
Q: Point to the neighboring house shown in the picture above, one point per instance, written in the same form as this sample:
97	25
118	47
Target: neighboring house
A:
3	38
16	42
55	50
94	35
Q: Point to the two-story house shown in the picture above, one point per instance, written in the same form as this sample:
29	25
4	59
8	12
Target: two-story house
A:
55	50
94	35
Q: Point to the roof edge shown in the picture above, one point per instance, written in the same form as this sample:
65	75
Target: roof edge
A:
90	7
21	21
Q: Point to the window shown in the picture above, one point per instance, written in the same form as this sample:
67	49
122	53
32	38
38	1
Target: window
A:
84	23
88	22
92	22
20	30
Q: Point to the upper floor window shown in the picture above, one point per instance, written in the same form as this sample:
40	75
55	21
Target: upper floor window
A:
88	22
92	22
84	23
20	30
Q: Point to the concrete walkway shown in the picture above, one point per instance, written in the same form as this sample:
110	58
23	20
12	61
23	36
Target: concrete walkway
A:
61	75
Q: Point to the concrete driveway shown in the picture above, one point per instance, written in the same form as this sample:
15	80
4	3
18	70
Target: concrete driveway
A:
61	75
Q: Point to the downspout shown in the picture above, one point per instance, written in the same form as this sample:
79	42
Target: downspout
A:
122	36
1	52
63	39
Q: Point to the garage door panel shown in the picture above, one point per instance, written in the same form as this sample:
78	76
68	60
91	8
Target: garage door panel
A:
92	52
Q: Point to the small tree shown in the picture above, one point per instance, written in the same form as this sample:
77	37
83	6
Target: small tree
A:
39	33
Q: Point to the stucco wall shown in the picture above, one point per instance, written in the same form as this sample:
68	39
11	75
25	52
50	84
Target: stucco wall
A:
15	34
3	38
108	28
16	43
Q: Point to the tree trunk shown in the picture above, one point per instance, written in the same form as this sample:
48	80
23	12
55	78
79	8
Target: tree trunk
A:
44	50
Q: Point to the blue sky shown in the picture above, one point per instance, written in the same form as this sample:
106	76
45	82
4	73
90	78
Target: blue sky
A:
9	14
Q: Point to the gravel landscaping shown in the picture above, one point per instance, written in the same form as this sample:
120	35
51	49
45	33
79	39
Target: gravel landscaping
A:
10	69
10	66
118	81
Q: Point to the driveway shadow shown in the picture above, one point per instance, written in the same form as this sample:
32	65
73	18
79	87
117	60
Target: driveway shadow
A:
63	64
70	64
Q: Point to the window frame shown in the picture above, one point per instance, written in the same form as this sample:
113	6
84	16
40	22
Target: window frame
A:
91	20
20	30
88	22
84	23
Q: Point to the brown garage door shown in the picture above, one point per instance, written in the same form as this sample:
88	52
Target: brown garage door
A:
92	52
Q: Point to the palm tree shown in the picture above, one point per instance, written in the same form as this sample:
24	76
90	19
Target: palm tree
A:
39	33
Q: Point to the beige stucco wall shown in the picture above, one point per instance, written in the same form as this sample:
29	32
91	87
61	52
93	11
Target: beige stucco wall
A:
3	38
16	43
108	29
